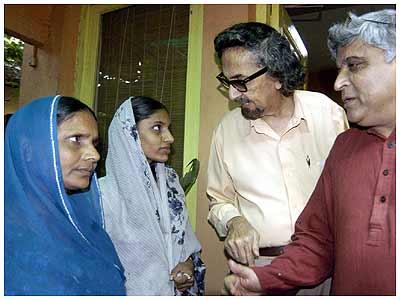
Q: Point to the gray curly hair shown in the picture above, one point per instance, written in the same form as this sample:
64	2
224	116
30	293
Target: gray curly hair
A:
377	29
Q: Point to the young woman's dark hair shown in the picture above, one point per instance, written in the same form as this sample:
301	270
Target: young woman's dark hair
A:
68	106
143	107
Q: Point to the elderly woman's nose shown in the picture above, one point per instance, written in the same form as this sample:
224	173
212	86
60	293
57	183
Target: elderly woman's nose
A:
92	153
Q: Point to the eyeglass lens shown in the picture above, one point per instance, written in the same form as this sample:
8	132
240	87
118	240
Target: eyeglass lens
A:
237	84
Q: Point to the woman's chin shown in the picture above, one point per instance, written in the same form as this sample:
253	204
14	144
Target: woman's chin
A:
159	159
76	186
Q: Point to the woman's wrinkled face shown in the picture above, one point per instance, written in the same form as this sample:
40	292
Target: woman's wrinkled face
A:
155	137
77	139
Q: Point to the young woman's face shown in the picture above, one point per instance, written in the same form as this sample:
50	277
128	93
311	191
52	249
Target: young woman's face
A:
155	137
77	139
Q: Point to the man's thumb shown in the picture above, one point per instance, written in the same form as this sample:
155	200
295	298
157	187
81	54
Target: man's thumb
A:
237	269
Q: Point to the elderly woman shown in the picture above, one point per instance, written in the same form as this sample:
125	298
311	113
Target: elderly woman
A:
144	204
55	242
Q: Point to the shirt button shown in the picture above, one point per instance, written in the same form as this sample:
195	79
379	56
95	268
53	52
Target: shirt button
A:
386	172
391	145
383	199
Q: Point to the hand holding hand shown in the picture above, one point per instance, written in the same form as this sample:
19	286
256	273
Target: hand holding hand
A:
243	281
182	275
242	241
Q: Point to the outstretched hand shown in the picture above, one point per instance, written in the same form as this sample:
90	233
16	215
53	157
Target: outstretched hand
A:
242	241
243	281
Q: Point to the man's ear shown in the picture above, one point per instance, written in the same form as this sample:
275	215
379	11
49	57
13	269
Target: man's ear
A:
278	85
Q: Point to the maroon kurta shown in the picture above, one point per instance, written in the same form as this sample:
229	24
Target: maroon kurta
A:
347	229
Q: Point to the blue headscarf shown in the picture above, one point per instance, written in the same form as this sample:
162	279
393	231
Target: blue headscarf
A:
55	243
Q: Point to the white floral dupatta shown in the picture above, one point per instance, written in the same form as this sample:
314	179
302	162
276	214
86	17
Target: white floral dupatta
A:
146	219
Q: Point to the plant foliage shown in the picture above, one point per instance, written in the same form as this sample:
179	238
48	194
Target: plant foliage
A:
13	56
188	180
13	50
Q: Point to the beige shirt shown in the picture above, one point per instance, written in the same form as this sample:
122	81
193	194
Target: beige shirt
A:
267	178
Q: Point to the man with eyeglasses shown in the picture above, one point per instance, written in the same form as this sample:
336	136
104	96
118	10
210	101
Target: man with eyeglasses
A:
267	155
348	228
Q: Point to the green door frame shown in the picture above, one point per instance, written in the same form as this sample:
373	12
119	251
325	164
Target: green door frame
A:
85	77
192	102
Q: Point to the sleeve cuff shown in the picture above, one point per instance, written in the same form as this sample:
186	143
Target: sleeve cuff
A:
219	217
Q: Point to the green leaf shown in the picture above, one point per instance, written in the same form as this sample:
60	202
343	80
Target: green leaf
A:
13	50
189	179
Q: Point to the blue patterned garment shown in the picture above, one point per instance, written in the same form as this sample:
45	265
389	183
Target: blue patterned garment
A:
54	243
145	215
177	216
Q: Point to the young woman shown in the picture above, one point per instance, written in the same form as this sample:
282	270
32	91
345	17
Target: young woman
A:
55	242
144	204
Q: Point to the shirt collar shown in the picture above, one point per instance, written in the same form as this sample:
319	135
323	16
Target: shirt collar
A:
298	116
390	138
298	113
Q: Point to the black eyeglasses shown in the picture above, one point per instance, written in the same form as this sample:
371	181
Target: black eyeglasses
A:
240	84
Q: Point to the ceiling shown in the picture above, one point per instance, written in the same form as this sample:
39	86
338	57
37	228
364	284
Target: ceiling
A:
312	22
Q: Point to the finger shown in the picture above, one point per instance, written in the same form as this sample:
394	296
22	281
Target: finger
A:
186	286
224	292
250	258
245	278
231	249
182	288
234	291
228	284
256	252
256	245
187	276
237	269
232	265
179	278
183	277
242	252
173	275
241	258
187	282
234	286
180	281
237	290
249	255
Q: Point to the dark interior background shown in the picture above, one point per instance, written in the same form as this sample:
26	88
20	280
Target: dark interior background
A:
312	22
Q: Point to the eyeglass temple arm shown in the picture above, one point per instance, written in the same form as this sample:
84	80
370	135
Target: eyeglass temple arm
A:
263	70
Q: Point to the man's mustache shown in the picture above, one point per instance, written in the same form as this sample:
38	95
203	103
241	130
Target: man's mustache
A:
242	100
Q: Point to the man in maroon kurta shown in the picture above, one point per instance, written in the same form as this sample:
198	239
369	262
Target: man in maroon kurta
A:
347	229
